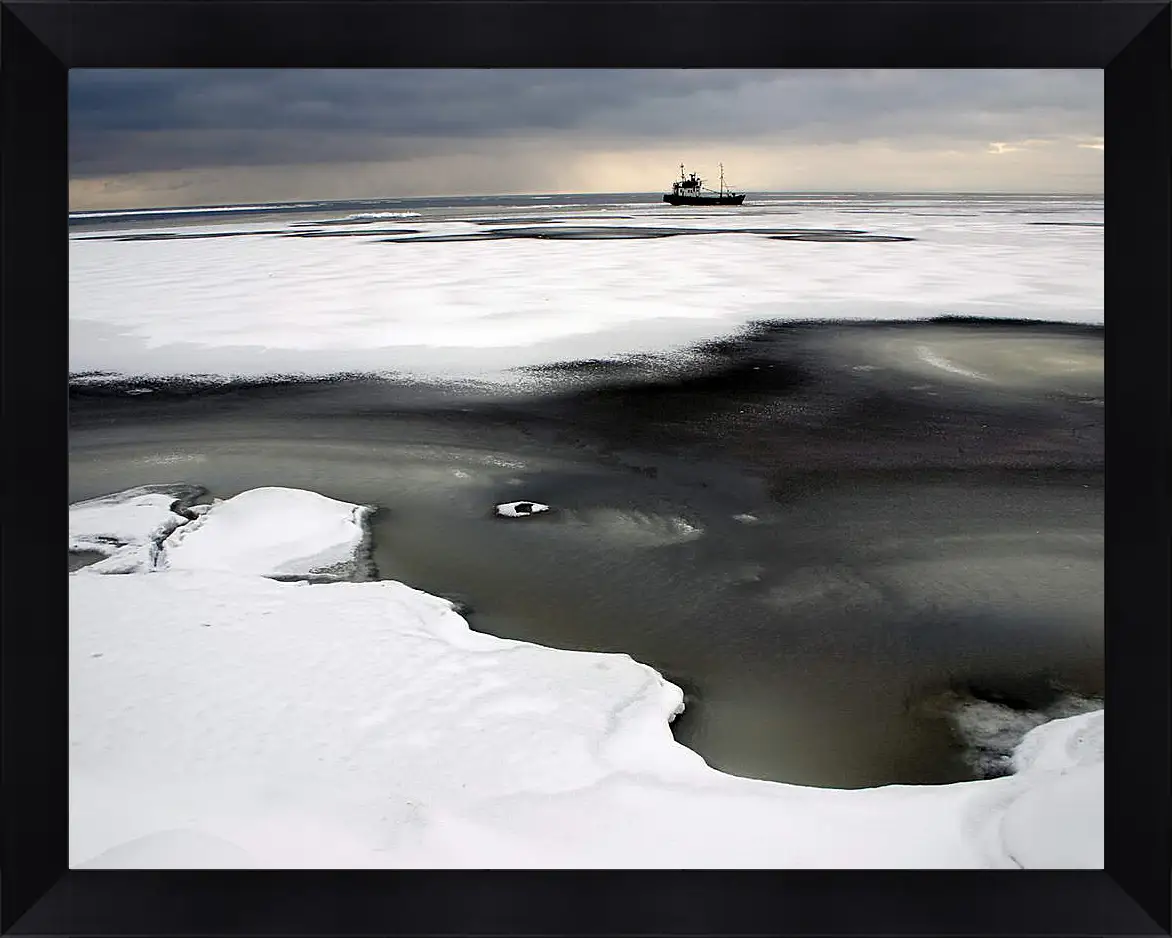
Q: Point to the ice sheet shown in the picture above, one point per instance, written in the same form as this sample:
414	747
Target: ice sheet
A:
268	304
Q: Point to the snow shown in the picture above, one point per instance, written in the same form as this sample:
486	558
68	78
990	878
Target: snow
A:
1059	745
126	527
1059	822
221	718
171	849
268	304
303	533
520	509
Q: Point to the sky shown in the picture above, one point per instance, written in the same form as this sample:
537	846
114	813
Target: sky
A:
143	138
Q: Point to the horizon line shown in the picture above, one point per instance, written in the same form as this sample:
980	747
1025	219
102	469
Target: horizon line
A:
293	203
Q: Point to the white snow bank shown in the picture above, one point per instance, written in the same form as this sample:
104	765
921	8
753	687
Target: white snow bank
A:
169	849
126	527
225	719
1061	745
269	531
1059	822
235	706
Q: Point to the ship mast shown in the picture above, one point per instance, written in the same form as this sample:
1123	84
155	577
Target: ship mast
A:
722	166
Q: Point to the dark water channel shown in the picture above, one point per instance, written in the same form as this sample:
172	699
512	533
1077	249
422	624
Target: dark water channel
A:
813	555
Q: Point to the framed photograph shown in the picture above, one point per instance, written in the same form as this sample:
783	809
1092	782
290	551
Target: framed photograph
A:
586	468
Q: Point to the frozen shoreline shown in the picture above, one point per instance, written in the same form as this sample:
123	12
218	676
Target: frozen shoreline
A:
222	718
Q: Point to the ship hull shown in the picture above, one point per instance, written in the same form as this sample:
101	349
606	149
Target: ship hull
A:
704	199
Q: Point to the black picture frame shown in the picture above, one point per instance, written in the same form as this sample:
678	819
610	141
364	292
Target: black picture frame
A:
40	41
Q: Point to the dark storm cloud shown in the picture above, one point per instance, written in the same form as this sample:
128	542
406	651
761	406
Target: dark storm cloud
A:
125	121
432	101
182	118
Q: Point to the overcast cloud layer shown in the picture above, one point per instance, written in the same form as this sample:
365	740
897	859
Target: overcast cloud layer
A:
185	137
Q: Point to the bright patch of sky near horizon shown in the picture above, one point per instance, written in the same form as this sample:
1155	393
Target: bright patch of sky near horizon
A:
165	137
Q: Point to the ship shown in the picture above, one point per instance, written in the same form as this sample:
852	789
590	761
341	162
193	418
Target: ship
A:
690	190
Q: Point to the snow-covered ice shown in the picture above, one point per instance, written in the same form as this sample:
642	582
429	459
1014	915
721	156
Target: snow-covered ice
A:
304	533
222	718
264	303
127	527
1059	822
520	509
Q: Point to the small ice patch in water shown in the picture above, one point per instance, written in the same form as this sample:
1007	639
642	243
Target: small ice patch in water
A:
520	509
746	519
